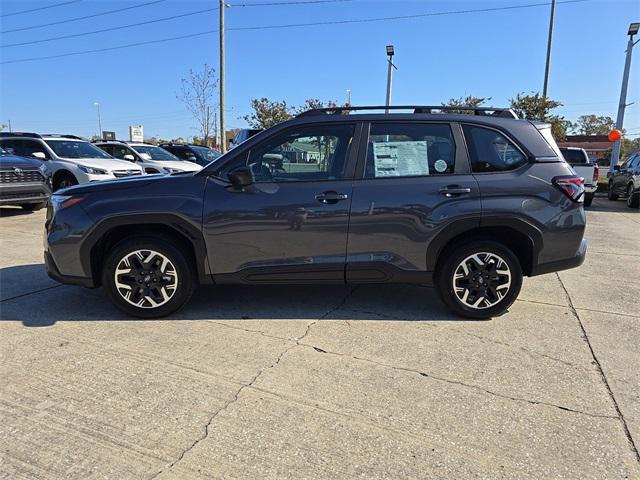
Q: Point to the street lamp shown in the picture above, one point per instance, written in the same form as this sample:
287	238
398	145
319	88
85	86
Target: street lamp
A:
622	105
99	120
390	66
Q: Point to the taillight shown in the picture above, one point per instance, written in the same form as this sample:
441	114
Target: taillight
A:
596	173
571	185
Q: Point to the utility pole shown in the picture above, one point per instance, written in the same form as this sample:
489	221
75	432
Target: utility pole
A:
349	96
546	68
207	129
622	105
10	126
390	67
215	129
99	120
223	136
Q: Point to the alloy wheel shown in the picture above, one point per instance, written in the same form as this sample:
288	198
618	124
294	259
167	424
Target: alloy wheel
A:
482	280
146	278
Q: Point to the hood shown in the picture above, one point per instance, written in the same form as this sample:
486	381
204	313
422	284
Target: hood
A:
104	163
12	161
178	165
118	184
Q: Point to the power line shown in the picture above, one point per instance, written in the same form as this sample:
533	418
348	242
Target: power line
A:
299	2
292	25
108	12
111	29
39	8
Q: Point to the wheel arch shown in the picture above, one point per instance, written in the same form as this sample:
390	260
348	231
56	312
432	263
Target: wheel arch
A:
110	232
524	239
63	172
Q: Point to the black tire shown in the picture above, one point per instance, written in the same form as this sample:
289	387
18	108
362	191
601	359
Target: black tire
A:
32	207
444	279
588	199
64	181
610	194
180	262
633	197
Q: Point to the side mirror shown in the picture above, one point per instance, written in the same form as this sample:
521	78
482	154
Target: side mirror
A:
39	155
192	158
240	178
616	168
129	157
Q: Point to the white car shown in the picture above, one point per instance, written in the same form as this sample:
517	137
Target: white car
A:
71	160
151	158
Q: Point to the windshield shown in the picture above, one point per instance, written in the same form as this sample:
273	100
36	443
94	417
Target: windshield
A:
76	149
156	153
574	157
206	153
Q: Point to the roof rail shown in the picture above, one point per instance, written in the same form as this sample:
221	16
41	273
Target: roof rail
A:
100	140
429	109
73	137
20	134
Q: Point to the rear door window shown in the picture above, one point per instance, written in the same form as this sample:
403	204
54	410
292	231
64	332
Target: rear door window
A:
491	151
410	150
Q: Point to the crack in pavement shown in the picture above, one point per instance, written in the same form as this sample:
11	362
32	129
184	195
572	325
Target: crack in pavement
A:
458	382
31	293
250	383
623	421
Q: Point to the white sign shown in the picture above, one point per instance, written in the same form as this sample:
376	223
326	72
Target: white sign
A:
136	133
400	159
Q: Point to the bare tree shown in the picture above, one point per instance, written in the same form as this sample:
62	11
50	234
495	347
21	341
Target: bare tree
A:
197	92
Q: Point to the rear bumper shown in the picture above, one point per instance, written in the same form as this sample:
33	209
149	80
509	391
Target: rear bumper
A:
564	264
54	273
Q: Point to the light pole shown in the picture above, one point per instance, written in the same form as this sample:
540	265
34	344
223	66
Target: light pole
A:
547	65
99	120
349	96
223	134
390	67
622	105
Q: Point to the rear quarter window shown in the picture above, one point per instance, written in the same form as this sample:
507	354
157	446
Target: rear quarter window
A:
491	151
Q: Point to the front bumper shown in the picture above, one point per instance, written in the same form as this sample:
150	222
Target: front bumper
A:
22	193
54	273
564	264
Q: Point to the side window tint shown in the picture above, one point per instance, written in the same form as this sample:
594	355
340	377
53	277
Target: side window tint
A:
490	151
304	154
120	151
409	150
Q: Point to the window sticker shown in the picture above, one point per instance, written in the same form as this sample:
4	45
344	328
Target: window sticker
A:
400	159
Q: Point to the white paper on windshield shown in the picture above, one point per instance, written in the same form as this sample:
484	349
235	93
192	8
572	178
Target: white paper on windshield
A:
400	159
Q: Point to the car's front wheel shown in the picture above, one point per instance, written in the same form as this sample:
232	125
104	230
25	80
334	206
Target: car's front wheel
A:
633	197
32	207
479	279
148	277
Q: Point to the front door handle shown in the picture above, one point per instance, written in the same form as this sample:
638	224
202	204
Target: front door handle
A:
331	197
454	190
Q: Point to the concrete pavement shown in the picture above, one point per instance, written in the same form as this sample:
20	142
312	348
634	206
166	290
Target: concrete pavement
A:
324	382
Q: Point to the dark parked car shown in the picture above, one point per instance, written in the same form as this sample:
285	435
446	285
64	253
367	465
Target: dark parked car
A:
23	181
625	181
468	203
193	153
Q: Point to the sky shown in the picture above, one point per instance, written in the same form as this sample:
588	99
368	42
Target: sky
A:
490	54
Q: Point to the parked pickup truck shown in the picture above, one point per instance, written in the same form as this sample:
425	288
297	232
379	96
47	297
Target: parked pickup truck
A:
585	168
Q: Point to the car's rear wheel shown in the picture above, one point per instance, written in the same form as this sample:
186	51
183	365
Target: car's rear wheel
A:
633	197
610	194
588	199
32	207
148	277
479	279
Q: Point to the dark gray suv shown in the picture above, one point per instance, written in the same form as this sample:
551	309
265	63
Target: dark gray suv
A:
467	203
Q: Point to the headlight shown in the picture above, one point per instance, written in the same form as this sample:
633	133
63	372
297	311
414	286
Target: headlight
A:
58	202
92	171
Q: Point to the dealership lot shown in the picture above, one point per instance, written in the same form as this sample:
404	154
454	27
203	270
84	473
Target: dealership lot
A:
324	382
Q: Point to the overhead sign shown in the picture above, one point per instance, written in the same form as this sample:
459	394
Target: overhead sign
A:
136	133
106	135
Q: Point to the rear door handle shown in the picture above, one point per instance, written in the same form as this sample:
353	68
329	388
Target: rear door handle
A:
331	197
454	190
